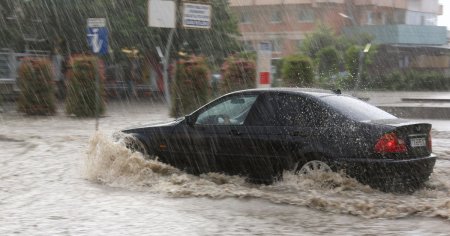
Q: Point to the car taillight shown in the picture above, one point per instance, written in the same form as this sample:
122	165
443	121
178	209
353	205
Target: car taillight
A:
429	143
390	143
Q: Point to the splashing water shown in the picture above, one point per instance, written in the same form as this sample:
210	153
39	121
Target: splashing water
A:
110	162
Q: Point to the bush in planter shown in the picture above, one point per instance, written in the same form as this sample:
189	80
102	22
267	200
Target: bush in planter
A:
190	90
36	85
298	71
238	74
81	88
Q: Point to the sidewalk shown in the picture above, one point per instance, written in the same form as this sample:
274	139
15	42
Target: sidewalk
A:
415	105
422	105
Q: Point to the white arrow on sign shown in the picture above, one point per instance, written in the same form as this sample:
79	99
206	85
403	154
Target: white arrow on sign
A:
95	41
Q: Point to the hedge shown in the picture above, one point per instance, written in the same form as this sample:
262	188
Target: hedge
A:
37	92
190	90
238	74
81	89
411	80
297	71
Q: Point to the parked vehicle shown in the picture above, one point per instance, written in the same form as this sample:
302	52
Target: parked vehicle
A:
260	133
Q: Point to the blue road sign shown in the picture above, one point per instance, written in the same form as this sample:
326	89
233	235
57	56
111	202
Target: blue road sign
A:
98	40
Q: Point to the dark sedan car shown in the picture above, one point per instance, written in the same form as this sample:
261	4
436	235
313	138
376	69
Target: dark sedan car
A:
262	132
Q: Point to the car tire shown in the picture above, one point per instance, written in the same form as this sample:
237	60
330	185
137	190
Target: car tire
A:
309	167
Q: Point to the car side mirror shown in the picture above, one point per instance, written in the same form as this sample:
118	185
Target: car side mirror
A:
189	120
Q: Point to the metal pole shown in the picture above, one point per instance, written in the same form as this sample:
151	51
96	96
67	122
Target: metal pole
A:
360	69
97	94
166	67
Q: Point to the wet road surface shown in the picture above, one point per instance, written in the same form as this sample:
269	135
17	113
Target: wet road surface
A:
58	177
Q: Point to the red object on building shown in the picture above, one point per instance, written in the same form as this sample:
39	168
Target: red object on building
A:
264	77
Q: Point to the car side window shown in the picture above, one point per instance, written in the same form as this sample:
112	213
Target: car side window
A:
231	111
295	110
263	113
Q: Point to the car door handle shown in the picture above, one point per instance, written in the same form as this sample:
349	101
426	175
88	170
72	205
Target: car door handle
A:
235	132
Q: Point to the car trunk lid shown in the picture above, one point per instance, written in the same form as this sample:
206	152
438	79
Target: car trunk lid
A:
415	136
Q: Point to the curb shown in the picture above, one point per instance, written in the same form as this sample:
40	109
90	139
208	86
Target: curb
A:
418	112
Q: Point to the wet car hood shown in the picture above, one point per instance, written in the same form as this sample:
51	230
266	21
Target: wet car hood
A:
155	124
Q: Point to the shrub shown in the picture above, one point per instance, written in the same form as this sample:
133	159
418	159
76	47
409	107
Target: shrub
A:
36	85
81	89
190	89
412	80
297	71
238	74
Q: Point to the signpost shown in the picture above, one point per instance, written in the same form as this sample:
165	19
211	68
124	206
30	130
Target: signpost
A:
97	34
162	14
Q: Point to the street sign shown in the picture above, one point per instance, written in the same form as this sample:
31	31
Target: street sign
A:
97	35
161	13
196	15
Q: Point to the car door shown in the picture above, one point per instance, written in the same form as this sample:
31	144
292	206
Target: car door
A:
189	148
216	128
302	122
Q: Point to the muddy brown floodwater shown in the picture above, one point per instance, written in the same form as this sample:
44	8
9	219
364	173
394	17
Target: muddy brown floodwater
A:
59	177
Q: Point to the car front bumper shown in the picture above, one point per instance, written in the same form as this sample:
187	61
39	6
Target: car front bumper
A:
383	172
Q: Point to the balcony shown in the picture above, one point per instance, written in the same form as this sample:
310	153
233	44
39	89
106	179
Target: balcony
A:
402	34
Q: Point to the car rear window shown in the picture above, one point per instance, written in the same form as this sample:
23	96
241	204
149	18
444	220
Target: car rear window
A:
356	109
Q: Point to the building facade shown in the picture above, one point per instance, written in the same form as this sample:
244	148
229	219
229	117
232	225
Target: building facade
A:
406	28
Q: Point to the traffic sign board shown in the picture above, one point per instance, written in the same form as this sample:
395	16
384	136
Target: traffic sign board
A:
97	34
196	15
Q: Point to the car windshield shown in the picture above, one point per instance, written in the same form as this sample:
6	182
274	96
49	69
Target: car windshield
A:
356	109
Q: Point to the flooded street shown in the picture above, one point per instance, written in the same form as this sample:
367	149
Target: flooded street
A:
59	177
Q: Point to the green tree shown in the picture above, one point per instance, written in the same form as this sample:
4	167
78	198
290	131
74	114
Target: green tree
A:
62	23
322	37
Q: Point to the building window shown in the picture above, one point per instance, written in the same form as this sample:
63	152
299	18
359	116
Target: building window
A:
277	45
277	17
298	43
369	17
306	15
245	18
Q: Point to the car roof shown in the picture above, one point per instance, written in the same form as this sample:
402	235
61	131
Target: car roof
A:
308	91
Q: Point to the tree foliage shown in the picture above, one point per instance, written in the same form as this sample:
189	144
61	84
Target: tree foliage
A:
62	23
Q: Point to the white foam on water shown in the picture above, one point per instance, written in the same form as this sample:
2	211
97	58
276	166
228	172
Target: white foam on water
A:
109	162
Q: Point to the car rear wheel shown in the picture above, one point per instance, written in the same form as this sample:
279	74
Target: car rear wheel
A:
313	167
